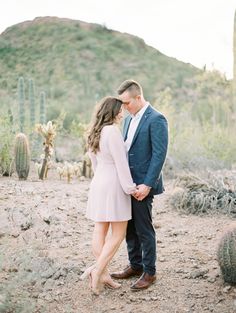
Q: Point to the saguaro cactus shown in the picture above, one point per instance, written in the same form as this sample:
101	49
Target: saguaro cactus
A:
33	138
32	103
234	67
10	118
22	156
227	256
234	64
21	99
42	108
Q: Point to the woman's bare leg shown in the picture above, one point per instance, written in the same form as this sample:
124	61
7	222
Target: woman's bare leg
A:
99	236
109	249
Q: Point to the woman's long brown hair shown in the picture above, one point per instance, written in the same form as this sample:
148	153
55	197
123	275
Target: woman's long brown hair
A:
107	111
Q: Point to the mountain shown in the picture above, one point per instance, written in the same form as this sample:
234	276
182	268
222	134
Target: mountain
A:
77	63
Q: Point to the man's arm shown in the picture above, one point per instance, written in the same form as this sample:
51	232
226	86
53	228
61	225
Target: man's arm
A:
159	143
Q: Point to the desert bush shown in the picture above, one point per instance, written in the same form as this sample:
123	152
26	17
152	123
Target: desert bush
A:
79	130
205	195
218	143
69	170
201	130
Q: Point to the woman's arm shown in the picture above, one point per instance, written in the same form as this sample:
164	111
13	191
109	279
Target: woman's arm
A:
117	150
93	159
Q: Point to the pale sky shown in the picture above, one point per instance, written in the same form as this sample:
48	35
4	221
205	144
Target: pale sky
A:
194	31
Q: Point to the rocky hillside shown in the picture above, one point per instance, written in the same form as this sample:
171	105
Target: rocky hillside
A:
76	63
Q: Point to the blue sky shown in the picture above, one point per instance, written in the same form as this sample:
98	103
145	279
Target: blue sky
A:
195	31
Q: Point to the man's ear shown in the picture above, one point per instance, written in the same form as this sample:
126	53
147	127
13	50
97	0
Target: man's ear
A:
138	97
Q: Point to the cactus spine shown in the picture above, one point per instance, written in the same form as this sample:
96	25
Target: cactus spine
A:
227	256
21	99
22	156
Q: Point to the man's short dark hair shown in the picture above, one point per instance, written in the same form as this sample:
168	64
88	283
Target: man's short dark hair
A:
132	86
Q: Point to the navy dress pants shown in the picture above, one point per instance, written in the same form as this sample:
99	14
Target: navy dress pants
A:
141	237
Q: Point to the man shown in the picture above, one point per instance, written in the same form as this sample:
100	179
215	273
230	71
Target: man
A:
146	139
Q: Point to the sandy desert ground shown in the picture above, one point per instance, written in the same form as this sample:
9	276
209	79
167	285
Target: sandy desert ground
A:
45	246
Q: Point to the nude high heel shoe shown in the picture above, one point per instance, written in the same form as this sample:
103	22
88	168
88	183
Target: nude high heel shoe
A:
108	281
87	272
93	279
112	284
94	282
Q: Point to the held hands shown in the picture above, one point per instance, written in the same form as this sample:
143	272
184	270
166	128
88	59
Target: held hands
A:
141	192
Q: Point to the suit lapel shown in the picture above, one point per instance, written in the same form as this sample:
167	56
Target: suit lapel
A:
126	127
141	123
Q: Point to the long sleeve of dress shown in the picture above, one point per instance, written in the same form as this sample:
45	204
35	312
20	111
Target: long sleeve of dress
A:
117	150
93	159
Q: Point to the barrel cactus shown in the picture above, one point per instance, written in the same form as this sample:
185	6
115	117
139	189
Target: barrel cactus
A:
22	156
227	256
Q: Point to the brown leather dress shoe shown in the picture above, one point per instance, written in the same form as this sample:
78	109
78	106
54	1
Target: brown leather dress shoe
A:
126	273
143	282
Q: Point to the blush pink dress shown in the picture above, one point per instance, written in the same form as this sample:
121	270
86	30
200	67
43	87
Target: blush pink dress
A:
109	197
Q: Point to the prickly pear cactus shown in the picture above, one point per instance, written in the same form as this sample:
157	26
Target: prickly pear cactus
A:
22	156
227	256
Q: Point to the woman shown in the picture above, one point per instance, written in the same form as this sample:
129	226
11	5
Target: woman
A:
109	200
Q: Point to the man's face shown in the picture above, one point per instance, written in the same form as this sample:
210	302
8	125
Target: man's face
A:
129	103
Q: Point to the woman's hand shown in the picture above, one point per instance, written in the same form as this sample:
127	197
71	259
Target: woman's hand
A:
141	192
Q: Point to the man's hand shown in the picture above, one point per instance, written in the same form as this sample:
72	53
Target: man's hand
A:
142	192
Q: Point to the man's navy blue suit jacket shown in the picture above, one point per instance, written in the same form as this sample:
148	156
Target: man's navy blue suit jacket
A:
148	149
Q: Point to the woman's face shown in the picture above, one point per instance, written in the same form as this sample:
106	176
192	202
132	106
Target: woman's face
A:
119	116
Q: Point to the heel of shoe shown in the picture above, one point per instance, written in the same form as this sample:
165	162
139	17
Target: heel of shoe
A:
109	282
110	286
83	276
86	273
